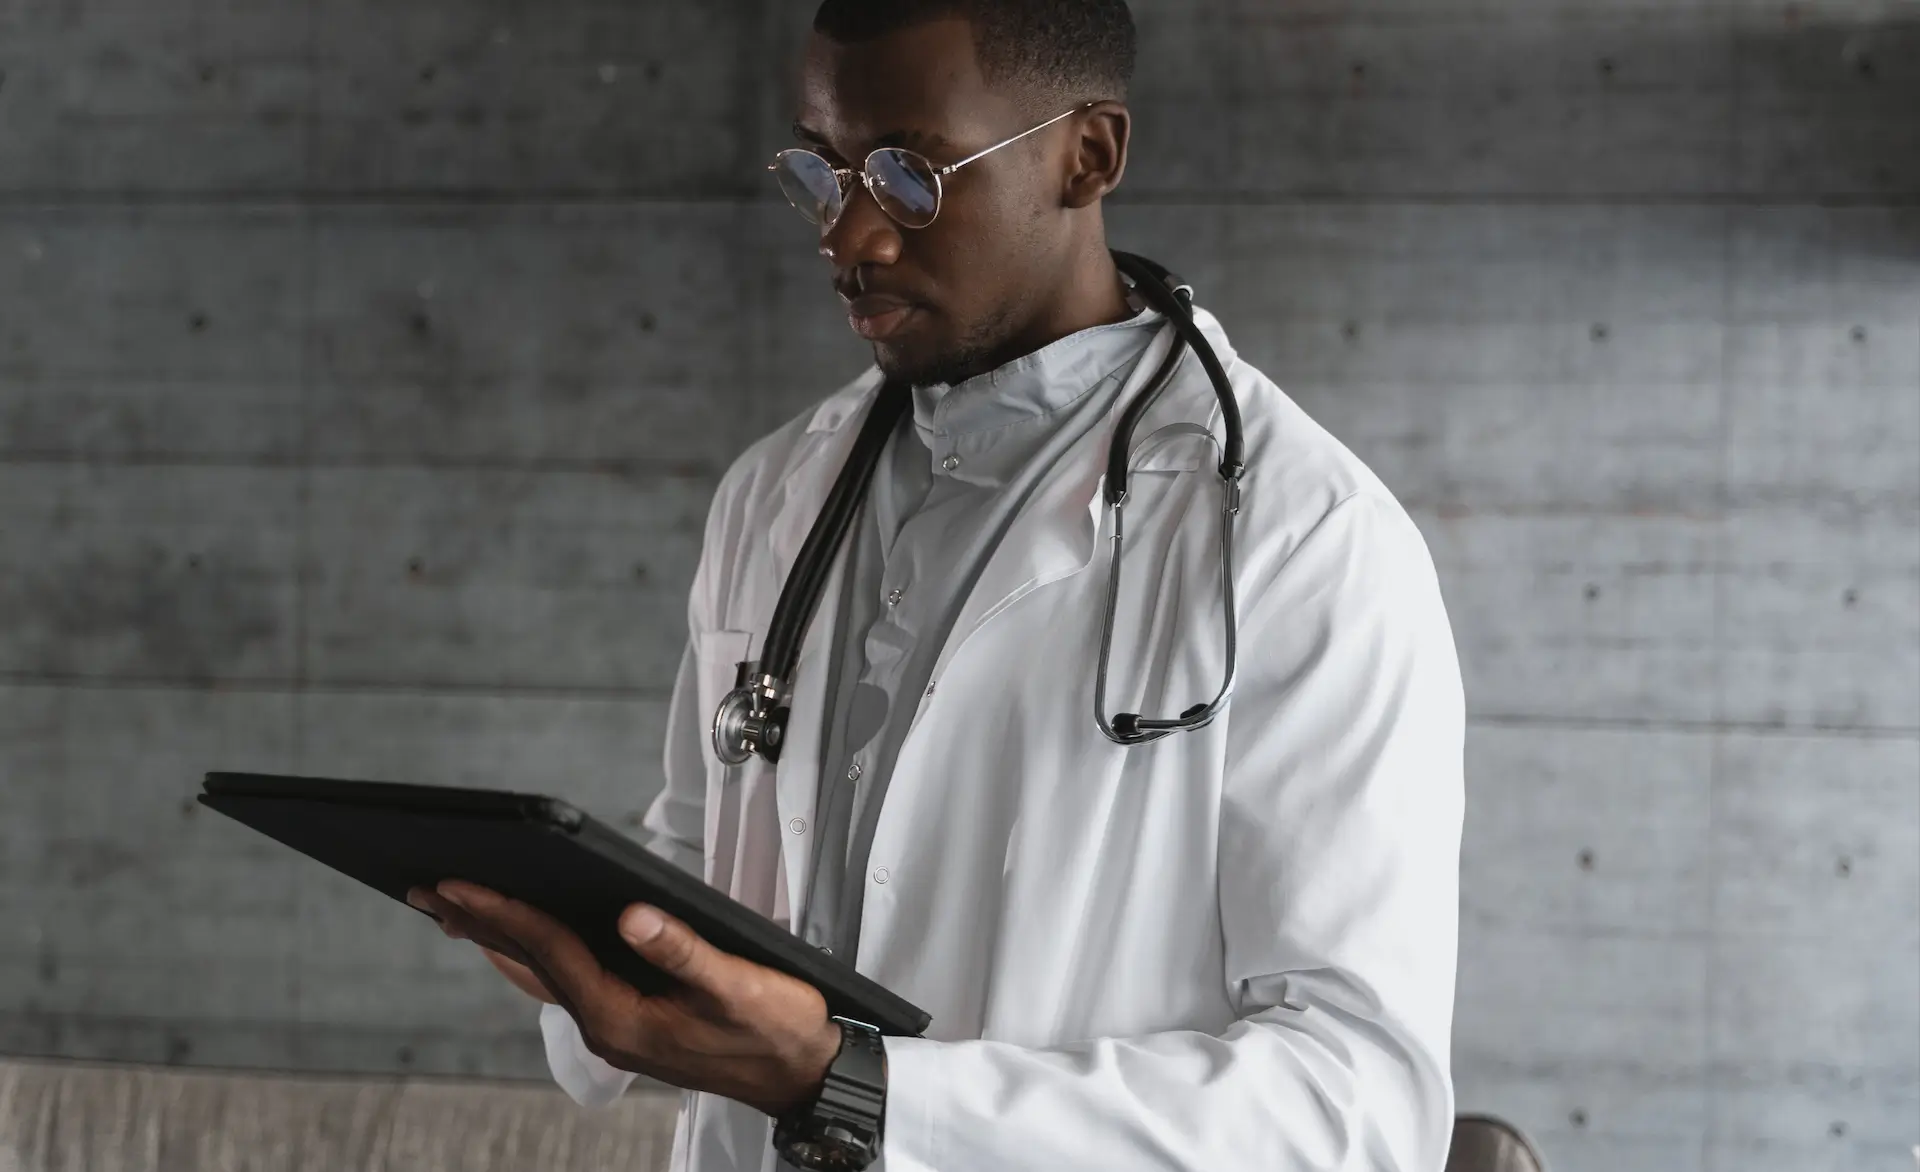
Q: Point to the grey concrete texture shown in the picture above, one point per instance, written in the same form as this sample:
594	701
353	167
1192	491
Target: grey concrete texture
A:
1571	96
64	1117
365	370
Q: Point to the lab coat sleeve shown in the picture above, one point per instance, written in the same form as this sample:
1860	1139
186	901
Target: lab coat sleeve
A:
674	825
588	1079
1338	883
676	821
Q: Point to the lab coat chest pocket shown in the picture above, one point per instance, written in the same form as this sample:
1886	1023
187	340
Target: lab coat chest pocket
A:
717	655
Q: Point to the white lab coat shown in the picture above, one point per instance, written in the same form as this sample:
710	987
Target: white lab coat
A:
1231	949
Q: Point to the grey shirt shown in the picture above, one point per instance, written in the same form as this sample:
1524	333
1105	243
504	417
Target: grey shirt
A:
954	475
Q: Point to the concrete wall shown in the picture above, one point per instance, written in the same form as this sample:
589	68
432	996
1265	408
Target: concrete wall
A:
365	368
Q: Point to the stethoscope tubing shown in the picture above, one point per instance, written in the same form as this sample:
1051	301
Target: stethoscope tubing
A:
752	717
800	596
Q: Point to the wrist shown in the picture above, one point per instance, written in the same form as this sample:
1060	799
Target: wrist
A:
839	1128
810	1069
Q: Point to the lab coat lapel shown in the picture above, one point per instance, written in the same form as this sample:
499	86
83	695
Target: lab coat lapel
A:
808	480
810	474
1054	536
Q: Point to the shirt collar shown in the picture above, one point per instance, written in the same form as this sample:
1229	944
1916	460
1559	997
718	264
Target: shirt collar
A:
1030	387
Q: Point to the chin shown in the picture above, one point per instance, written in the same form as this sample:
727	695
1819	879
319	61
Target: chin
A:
918	368
905	367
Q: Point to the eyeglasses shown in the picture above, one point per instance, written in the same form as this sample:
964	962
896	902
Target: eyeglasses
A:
905	185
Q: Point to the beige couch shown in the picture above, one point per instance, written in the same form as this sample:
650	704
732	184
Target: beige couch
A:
70	1117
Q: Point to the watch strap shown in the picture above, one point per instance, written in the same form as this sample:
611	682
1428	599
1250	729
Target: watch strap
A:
841	1129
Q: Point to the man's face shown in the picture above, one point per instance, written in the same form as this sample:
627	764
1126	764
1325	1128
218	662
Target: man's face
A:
944	302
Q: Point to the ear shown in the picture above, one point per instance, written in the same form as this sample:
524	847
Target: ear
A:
1099	153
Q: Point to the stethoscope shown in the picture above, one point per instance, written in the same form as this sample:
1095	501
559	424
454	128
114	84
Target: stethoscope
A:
752	718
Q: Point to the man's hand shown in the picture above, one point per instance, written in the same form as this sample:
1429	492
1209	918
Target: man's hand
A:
458	925
732	1027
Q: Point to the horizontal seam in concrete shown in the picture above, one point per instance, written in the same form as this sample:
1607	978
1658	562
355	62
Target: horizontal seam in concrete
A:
429	688
320	1078
619	466
288	686
1698	727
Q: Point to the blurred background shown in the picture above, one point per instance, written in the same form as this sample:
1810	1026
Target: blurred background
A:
366	368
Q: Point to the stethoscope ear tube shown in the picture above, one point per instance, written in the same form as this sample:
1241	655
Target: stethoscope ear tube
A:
1173	297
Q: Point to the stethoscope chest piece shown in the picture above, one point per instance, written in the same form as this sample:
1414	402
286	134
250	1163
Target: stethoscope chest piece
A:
751	718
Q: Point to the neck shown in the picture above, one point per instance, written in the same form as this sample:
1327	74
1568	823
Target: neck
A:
1089	293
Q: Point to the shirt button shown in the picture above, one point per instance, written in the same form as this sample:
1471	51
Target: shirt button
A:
950	463
895	595
853	774
929	689
798	826
880	875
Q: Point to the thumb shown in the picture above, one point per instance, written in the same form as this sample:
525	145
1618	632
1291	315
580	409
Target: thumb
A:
671	946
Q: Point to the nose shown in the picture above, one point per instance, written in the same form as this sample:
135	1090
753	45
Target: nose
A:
862	235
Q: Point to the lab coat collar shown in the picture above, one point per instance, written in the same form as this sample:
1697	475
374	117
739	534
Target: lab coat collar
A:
1161	444
848	404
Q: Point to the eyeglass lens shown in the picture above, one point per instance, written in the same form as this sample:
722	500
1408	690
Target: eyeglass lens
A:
903	183
809	184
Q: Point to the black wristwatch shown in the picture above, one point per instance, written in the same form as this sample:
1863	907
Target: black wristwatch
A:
840	1130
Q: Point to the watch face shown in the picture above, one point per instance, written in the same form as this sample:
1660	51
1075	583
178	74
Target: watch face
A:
829	1155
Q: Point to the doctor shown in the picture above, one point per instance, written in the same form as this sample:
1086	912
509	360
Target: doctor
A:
1232	948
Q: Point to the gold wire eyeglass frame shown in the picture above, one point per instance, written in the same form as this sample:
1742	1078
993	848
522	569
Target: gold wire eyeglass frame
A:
844	176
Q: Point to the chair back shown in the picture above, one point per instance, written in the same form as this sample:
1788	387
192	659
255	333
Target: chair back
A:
1482	1143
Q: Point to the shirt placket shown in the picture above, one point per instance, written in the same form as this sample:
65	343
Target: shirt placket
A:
902	608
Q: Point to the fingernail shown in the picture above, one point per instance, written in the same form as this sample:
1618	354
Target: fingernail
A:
453	897
640	924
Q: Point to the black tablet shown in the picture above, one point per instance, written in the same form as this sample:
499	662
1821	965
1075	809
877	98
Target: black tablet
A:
543	852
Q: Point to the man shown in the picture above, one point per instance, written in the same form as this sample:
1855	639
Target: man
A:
1229	948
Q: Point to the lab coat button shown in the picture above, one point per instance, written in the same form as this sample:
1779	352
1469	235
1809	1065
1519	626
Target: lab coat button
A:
950	463
853	774
798	826
895	595
880	875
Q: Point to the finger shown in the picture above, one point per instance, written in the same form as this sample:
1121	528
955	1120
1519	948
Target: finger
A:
670	946
460	924
524	933
449	917
523	978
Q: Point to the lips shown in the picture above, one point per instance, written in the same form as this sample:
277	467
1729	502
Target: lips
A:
875	316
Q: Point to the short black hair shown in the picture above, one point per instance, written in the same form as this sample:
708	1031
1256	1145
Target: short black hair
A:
1077	50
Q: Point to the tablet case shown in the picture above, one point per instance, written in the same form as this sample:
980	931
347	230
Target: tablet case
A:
541	851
